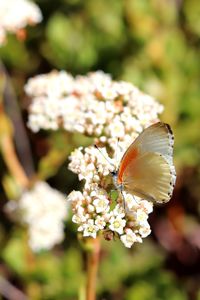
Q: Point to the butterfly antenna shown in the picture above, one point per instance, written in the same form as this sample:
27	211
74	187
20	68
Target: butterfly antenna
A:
117	150
104	155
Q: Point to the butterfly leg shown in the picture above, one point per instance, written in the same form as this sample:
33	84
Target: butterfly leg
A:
135	199
124	202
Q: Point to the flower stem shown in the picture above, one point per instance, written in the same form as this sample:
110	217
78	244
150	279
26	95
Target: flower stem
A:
7	146
12	162
92	267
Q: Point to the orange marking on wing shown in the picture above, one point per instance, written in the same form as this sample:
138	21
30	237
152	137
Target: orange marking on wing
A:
125	162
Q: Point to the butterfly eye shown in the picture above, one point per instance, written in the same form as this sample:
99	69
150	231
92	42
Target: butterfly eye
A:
113	173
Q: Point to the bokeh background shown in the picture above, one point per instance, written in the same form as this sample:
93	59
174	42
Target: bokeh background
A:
155	45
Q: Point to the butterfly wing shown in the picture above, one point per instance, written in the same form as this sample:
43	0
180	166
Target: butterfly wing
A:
149	177
146	168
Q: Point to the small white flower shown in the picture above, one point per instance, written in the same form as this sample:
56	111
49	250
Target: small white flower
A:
100	222
91	208
137	216
90	229
99	79
147	206
130	201
129	238
80	217
117	224
145	230
101	204
75	198
107	92
116	128
118	211
123	88
141	216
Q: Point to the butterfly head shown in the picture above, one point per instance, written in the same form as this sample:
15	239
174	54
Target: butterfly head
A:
115	179
114	173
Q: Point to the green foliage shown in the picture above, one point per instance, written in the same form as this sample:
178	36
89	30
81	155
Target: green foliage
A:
14	253
60	146
16	55
69	43
56	275
121	264
164	289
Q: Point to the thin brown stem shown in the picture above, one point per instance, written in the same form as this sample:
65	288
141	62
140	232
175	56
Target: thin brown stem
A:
92	268
7	146
12	162
12	110
9	291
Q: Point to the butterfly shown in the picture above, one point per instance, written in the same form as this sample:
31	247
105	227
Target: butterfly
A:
146	169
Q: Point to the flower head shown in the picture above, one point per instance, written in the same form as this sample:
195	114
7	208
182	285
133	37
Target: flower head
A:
94	105
17	14
43	210
93	208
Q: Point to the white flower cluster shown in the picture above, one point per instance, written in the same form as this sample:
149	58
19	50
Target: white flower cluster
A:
43	210
17	14
91	165
114	113
93	209
94	105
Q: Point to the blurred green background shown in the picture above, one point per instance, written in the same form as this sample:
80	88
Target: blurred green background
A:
155	45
